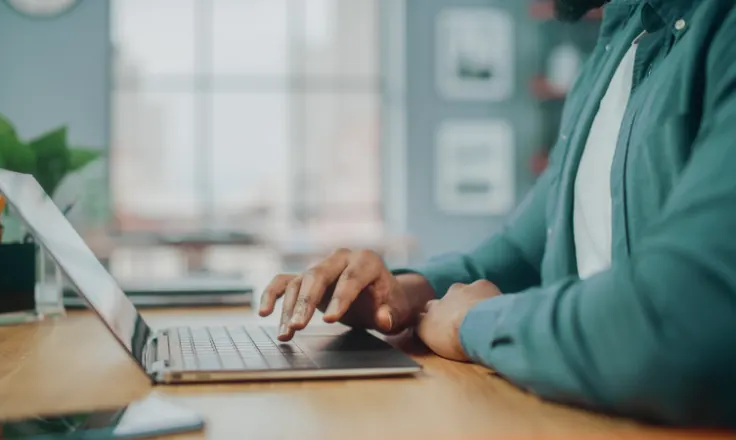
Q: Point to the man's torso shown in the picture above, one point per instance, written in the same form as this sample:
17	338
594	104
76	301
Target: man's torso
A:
659	123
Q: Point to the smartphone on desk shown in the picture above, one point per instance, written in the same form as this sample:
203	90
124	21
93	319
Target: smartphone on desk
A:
153	416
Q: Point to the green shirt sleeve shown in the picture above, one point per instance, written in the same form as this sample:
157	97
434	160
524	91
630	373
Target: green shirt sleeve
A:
653	337
511	259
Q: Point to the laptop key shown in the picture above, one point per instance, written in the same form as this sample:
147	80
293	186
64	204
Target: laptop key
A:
250	356
289	348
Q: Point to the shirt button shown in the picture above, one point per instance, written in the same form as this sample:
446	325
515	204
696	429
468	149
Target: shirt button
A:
680	24
549	232
608	47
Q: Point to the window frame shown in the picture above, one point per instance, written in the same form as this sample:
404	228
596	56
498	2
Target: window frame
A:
387	85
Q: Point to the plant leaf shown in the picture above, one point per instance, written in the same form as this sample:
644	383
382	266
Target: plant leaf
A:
54	139
6	127
15	156
81	157
6	143
52	158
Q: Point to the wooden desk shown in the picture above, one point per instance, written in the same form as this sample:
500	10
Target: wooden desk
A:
74	364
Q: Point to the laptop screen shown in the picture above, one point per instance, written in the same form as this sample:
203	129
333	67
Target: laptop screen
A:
59	238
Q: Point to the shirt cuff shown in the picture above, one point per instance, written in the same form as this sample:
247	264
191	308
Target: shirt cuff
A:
479	329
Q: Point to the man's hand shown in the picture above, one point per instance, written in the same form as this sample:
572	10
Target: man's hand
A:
439	326
352	287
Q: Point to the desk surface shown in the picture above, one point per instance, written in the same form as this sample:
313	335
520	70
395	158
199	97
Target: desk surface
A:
73	364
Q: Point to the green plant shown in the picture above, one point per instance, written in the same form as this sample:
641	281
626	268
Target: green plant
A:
48	157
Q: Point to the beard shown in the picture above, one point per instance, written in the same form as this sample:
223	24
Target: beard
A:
574	10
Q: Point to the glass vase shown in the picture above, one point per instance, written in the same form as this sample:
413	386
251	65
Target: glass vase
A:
49	285
49	282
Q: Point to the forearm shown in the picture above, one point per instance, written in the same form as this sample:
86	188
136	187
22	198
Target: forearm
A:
496	260
510	258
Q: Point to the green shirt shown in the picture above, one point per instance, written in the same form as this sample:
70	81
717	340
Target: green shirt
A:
654	336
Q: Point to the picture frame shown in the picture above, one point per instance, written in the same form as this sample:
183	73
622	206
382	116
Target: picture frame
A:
475	54
475	167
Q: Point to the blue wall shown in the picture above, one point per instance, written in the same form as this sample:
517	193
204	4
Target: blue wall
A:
53	72
436	231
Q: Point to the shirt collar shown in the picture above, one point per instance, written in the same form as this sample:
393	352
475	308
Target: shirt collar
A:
653	15
673	14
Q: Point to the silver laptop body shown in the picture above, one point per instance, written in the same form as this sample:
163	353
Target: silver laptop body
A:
186	354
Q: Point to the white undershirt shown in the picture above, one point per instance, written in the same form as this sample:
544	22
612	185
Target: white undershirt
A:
592	203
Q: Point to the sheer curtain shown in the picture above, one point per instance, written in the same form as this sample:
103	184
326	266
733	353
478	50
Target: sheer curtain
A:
260	116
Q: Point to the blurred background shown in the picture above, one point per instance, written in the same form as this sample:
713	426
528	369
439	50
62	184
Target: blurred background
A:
243	138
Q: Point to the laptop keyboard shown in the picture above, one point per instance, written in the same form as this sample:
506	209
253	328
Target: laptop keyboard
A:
235	348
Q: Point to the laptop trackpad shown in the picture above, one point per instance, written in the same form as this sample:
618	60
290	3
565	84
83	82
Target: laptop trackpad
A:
338	347
352	340
352	349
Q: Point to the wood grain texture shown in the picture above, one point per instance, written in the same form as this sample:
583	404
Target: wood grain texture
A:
74	364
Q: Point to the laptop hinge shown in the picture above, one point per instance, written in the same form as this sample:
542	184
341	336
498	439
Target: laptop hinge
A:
157	353
148	353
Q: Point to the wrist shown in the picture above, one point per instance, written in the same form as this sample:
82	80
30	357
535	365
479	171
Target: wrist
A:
417	290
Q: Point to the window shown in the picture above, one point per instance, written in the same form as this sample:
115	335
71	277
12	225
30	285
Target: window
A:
247	115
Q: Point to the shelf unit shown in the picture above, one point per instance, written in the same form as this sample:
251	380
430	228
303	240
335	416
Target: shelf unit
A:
552	34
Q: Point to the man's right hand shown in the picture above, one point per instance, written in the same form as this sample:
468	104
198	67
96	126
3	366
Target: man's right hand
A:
352	287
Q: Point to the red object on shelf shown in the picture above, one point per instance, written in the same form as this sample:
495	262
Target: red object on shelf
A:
539	162
543	90
545	10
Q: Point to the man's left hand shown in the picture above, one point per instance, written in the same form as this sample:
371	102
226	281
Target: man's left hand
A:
439	326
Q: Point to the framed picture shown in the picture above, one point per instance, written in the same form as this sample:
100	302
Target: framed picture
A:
476	167
475	54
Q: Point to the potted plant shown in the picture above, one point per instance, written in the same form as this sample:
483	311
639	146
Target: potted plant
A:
49	158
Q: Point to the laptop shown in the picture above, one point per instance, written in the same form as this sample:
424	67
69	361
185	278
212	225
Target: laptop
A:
206	354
